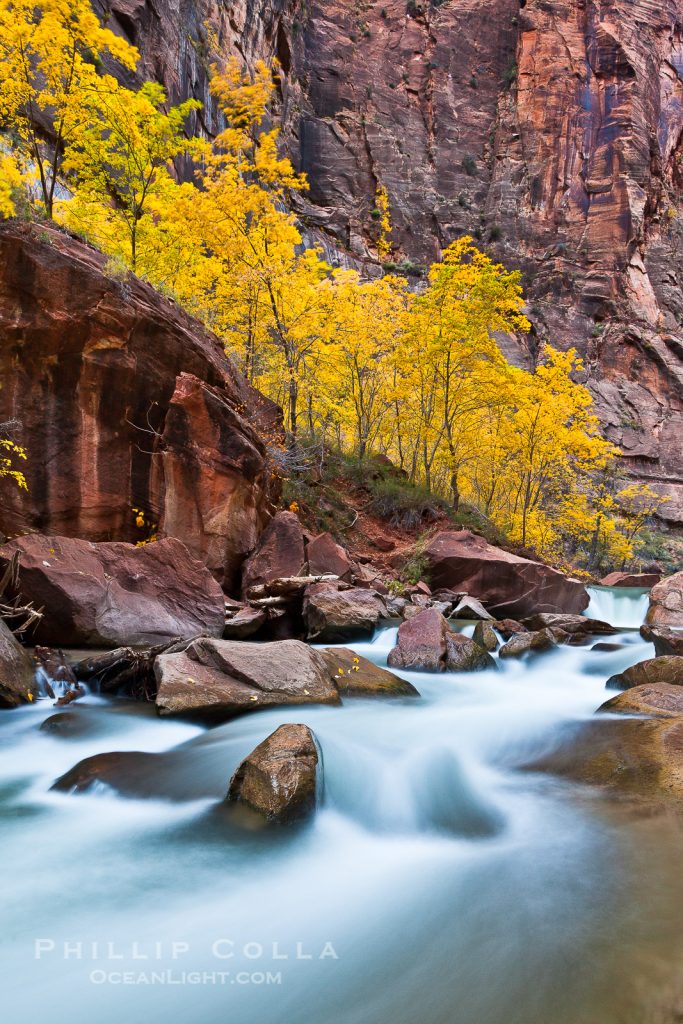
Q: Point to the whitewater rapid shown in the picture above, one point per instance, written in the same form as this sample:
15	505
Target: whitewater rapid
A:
438	881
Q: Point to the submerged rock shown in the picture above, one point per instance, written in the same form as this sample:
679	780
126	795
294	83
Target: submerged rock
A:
668	669
426	643
278	780
122	770
113	594
221	678
17	673
356	676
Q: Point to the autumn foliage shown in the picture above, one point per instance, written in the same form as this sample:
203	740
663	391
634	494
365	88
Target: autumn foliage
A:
365	366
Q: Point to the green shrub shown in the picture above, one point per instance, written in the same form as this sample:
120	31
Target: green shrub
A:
469	165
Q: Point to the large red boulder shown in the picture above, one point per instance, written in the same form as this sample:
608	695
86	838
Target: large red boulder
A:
666	602
509	586
631	579
279	552
325	555
124	402
115	594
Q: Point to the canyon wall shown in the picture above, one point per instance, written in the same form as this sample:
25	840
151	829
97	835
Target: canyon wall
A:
126	406
549	129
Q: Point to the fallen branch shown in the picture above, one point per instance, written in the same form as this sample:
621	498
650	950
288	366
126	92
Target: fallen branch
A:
286	585
12	609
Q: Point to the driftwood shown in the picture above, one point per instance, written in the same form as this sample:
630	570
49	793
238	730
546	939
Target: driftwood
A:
285	586
127	669
19	617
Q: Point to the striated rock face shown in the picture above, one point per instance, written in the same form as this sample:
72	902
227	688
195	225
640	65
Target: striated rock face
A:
124	403
551	129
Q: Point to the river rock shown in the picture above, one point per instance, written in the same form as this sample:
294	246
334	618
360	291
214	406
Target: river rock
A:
278	780
508	585
122	770
356	676
17	672
426	643
635	757
324	555
114	594
221	678
509	627
244	624
469	608
536	641
668	669
657	699
279	553
666	602
485	635
630	579
572	624
332	615
666	641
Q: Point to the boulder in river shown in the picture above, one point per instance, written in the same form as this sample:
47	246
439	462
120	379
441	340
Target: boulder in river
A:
666	602
508	585
356	676
638	758
122	770
572	624
221	678
668	669
114	594
17	672
660	700
333	615
278	780
666	641
531	642
485	635
426	643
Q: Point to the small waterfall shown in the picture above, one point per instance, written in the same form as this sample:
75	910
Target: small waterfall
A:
625	607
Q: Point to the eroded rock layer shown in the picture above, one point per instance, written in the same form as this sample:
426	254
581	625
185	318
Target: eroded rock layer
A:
123	403
551	129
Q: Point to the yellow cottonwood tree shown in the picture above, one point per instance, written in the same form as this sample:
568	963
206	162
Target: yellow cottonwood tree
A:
120	163
49	55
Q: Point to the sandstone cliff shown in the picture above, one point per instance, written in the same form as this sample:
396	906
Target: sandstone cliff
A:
551	129
124	402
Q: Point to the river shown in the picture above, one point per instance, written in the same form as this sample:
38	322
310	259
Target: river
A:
438	882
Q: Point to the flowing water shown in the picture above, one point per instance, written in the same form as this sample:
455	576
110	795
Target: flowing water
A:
438	882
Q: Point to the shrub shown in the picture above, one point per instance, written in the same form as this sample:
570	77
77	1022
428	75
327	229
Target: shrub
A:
404	505
469	165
